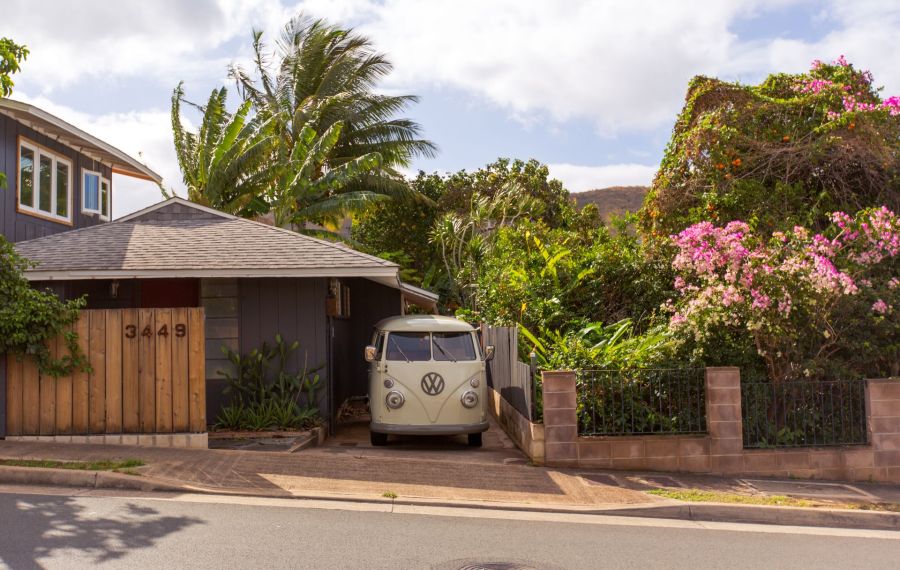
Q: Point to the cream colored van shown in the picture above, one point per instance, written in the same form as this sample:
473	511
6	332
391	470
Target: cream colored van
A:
427	377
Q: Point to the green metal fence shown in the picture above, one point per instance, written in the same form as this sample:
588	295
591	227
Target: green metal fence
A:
804	413
640	402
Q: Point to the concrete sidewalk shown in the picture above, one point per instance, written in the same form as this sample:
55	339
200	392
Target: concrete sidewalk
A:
436	471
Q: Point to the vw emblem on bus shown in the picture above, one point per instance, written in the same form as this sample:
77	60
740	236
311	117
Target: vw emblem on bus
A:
432	383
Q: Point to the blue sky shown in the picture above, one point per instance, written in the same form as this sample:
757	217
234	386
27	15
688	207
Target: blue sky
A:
590	88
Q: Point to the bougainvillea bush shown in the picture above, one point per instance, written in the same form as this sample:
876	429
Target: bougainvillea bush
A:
811	304
785	152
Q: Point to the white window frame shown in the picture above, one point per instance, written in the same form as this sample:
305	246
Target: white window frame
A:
34	209
100	180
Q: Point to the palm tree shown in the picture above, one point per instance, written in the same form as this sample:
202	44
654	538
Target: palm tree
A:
238	166
325	76
226	165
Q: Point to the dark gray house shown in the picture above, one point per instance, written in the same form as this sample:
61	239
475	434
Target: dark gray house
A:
253	280
58	177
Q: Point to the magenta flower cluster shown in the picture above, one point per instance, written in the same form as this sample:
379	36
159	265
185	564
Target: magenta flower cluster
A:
728	276
850	94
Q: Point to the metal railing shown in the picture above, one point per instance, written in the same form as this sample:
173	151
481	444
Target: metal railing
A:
641	402
804	413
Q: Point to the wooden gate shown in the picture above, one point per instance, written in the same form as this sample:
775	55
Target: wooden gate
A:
148	376
511	378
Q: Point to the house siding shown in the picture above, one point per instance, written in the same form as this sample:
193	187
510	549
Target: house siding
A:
219	299
293	308
369	303
17	226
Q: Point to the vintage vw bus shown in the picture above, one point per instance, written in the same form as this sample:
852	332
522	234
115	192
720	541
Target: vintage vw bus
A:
427	376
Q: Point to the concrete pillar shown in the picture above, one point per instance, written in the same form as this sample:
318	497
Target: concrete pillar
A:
723	419
560	419
883	406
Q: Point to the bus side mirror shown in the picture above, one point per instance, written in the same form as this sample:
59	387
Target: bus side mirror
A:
370	353
489	352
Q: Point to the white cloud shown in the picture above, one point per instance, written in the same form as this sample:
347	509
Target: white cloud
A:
620	66
623	66
578	178
165	39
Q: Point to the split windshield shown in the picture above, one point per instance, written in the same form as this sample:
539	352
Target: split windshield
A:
419	346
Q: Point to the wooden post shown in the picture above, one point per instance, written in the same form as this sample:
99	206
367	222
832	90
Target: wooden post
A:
131	398
146	333
180	376
81	380
97	355
197	370
113	371
64	397
14	393
48	393
163	338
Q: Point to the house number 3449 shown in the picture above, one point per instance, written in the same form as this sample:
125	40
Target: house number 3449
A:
131	331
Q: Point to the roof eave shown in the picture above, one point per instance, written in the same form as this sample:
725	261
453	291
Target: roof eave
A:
122	163
195	273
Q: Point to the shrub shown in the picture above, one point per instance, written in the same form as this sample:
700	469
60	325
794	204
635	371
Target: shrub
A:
782	153
264	395
30	318
812	305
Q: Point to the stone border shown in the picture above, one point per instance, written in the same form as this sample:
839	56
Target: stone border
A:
527	435
178	440
721	451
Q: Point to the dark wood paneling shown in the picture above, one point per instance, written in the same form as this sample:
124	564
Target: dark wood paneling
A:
369	303
293	308
17	226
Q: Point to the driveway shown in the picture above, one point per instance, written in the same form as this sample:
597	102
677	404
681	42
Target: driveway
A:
439	469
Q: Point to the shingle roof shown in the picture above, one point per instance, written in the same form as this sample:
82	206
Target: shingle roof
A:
178	238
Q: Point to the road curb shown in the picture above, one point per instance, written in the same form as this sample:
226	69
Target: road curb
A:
671	509
82	479
762	514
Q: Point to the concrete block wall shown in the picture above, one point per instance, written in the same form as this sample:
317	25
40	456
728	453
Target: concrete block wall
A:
527	435
722	451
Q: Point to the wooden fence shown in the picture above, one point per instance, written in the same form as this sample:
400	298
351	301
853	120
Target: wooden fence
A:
148	376
511	378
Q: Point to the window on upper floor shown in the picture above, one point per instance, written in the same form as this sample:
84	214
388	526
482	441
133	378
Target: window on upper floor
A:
44	183
96	194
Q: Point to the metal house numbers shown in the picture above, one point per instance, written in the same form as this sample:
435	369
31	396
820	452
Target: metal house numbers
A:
180	331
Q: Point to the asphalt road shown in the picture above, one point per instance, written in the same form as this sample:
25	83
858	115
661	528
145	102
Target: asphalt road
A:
54	529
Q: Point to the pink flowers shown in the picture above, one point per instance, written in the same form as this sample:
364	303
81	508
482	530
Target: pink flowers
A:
813	86
856	95
892	104
727	276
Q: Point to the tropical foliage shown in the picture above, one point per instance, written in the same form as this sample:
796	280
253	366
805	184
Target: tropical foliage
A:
11	56
785	152
812	305
311	142
227	164
264	394
460	214
29	318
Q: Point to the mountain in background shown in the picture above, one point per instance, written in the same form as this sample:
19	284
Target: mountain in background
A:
613	200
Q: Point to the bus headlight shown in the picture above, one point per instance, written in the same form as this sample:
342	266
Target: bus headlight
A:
469	399
394	399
